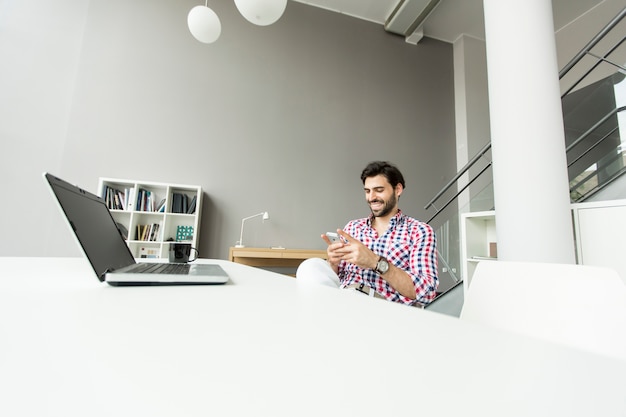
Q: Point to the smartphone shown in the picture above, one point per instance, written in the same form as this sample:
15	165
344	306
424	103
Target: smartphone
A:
333	237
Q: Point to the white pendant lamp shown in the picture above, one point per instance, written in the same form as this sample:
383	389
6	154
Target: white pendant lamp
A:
204	24
261	12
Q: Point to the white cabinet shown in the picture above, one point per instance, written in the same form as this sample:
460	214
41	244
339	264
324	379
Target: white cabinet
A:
151	214
600	229
478	242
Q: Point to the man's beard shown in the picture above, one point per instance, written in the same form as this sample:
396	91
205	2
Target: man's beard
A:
388	206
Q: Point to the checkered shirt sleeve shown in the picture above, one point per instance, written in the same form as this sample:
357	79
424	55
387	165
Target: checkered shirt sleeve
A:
408	244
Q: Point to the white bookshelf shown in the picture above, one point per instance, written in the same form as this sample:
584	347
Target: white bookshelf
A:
136	216
478	231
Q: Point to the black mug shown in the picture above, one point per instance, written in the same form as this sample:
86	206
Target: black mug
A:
180	253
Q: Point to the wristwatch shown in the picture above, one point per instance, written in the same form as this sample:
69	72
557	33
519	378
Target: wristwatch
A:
382	266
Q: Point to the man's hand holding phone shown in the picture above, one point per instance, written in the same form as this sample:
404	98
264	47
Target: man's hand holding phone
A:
342	246
332	237
334	242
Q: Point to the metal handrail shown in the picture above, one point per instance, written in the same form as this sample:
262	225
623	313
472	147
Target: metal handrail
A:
596	65
579	56
591	175
603	58
601	186
594	127
459	174
592	147
593	42
448	267
454	197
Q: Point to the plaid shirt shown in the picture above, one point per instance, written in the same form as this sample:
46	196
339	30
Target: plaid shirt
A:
408	244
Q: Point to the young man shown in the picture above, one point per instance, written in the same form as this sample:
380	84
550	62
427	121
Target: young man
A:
387	254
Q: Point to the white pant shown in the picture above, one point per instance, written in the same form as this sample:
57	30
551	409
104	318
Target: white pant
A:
317	271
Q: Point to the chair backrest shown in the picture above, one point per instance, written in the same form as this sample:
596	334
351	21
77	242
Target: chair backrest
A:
581	306
449	302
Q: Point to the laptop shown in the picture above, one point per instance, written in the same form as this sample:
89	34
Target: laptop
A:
107	252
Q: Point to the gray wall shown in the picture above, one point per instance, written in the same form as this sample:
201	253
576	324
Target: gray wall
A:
280	118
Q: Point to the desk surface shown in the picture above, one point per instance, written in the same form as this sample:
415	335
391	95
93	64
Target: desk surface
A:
276	253
273	257
264	344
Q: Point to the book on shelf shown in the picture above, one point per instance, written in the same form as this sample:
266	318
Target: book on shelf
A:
148	252
141	200
146	201
161	206
180	203
148	232
114	198
130	199
177	202
192	206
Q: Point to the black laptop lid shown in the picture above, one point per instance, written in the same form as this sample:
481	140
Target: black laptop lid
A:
93	226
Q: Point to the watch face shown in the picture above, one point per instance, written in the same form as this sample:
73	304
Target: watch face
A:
382	266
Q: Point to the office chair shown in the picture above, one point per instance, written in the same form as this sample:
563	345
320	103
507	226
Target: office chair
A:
449	302
580	306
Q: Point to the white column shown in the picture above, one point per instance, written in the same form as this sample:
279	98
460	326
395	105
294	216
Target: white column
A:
460	120
531	192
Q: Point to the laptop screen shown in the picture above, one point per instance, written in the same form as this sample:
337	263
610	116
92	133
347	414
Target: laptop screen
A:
93	226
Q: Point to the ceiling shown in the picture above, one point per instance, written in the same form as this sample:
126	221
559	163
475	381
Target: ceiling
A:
450	18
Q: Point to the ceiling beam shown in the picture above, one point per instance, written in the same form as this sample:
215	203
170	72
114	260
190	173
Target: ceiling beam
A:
409	16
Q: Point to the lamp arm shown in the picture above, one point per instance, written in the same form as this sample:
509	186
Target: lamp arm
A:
243	221
250	217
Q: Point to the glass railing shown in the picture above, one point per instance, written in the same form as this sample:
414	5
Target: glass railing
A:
593	99
595	122
448	229
593	119
595	158
605	163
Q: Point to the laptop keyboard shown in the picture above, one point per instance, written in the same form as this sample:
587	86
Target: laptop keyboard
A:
154	268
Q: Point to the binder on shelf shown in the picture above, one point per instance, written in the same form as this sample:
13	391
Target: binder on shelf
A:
181	204
130	199
192	206
177	203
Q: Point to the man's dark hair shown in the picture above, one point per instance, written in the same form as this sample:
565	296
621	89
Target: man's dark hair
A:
393	174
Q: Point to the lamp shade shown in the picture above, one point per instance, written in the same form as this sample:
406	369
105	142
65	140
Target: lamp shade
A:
204	24
261	12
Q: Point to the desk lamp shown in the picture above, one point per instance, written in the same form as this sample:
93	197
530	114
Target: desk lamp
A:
265	215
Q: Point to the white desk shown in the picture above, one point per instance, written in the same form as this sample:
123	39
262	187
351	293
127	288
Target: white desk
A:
264	345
